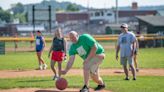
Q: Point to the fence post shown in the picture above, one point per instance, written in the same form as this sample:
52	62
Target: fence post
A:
2	48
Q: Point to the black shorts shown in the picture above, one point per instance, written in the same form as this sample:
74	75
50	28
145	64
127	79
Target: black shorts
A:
39	50
135	52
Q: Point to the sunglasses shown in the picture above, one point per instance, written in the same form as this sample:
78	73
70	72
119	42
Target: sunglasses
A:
123	27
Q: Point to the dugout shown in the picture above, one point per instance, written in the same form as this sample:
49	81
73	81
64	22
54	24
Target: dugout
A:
152	25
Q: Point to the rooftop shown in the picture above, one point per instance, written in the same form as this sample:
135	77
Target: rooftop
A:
153	20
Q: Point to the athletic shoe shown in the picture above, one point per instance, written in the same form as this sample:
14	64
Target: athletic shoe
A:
40	67
134	78
44	66
65	59
127	78
55	77
100	87
84	89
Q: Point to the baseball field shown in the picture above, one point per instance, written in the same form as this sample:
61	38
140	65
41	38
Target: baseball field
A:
18	74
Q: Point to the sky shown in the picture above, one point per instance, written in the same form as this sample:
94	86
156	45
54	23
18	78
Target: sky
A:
6	4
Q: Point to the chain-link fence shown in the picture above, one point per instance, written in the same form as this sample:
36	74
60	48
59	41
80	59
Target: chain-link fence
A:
107	41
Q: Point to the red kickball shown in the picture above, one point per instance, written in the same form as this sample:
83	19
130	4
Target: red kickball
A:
61	84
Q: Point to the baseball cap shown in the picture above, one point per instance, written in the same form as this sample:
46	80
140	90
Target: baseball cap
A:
38	31
124	25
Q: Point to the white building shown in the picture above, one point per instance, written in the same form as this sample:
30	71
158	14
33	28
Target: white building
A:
25	30
106	15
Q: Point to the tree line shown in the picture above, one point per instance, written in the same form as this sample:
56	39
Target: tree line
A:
17	12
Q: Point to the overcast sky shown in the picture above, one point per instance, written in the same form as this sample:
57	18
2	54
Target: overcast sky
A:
5	4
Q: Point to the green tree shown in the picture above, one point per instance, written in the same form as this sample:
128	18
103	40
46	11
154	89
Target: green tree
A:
17	8
21	17
59	9
72	7
5	16
1	8
18	12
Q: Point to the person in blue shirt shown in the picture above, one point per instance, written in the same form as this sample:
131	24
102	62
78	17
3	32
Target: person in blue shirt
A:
40	44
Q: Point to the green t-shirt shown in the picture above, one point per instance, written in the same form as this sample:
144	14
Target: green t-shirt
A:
84	45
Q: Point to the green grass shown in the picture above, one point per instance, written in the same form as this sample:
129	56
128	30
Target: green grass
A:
48	44
148	58
152	58
22	44
113	83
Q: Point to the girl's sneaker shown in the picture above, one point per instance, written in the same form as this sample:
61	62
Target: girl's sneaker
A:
55	77
44	66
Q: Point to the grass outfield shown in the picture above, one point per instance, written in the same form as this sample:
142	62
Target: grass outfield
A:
113	83
48	44
22	44
148	58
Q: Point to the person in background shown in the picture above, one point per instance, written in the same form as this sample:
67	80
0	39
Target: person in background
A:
126	43
40	44
15	41
32	38
58	50
135	56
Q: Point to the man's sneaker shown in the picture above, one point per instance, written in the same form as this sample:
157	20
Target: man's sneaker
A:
127	78
84	89
134	78
100	87
55	77
44	66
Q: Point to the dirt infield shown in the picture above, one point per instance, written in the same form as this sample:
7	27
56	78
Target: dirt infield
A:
41	73
37	73
46	90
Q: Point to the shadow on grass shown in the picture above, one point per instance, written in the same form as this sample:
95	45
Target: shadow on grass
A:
118	72
114	80
34	80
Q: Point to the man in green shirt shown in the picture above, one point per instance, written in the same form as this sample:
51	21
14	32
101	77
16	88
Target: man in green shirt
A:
92	53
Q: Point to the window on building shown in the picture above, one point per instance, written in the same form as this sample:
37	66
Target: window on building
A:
97	14
109	14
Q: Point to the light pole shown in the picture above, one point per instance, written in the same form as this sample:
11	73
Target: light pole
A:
33	18
88	15
117	13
